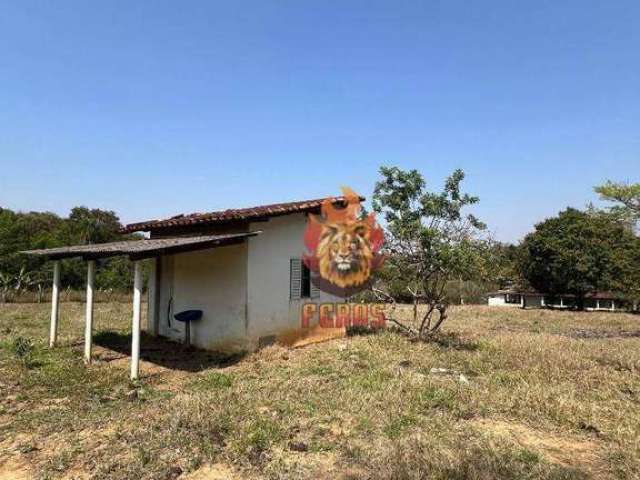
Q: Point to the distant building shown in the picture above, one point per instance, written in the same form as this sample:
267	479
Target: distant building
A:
596	301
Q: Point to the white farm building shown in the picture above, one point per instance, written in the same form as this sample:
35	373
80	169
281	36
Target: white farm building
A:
595	301
241	268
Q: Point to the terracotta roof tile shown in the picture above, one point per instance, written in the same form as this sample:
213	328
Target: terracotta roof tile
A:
230	215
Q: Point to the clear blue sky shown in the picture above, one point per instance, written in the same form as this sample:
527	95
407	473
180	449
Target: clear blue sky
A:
156	108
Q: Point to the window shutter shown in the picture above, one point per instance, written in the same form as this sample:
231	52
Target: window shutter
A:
315	291
295	279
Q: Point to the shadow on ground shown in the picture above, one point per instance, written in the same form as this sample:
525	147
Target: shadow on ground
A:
599	334
454	341
163	352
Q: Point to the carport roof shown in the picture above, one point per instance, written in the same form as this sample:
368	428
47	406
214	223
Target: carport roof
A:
140	249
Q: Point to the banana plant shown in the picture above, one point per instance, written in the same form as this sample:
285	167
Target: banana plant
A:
38	280
6	280
22	280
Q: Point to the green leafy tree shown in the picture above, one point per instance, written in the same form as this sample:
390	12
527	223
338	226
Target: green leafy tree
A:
504	265
577	252
115	274
34	230
23	231
88	226
429	242
625	196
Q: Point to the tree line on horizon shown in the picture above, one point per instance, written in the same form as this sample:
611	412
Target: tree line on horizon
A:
35	230
437	253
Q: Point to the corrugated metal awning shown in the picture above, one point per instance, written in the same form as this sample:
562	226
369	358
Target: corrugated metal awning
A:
140	249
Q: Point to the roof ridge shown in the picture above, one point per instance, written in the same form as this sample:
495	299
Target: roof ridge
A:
231	214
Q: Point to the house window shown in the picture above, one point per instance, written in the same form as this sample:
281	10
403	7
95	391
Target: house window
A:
512	298
300	285
305	287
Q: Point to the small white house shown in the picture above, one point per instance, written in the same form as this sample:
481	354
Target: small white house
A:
504	298
242	268
594	301
515	298
251	293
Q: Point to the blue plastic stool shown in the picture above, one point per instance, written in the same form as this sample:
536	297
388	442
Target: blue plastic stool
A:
187	317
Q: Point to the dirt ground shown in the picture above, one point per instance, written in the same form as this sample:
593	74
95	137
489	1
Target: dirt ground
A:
501	393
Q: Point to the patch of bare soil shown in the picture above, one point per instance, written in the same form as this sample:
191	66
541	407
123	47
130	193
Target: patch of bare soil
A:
163	378
76	474
270	354
305	464
569	452
13	468
12	464
217	471
160	354
299	338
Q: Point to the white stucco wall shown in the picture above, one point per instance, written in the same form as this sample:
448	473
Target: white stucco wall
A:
243	290
213	281
270	311
497	300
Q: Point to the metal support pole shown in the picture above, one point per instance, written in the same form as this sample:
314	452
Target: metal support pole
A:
135	324
55	300
88	325
153	310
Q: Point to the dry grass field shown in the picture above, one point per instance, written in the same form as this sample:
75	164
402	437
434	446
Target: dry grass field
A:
503	393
